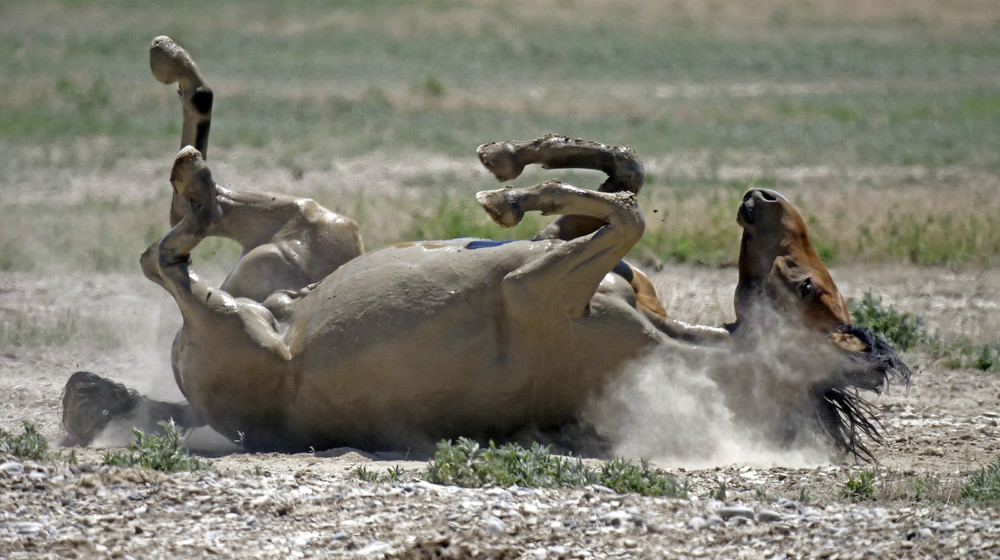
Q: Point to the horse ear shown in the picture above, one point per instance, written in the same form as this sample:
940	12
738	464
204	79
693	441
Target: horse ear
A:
849	342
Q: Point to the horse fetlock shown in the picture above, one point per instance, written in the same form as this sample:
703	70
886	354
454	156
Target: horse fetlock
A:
502	205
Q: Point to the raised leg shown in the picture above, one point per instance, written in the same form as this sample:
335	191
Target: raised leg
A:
568	275
506	160
288	243
172	64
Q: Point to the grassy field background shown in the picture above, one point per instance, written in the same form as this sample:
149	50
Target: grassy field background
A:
881	121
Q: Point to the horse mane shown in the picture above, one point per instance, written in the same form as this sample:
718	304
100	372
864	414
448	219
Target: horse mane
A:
841	411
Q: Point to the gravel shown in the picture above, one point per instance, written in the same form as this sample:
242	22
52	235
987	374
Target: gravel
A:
318	513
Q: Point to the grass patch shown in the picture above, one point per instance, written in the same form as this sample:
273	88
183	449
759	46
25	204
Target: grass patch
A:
963	353
859	488
465	463
28	445
161	452
907	332
20	329
983	486
391	476
902	330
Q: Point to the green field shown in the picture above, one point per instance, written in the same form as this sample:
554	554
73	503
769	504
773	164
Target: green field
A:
882	122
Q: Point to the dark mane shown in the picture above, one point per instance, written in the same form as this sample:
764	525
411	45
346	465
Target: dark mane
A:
842	412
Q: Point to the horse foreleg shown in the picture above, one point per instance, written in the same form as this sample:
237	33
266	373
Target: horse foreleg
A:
506	160
568	275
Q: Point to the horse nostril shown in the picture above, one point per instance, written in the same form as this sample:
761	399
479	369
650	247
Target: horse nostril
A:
767	195
749	194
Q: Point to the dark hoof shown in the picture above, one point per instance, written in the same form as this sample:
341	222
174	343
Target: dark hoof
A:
90	402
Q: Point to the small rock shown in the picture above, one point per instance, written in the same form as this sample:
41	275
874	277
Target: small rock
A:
697	523
727	512
12	468
27	527
768	516
615	518
713	521
537	553
495	526
374	547
926	533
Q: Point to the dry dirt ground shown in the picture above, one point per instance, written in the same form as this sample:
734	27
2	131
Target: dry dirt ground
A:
313	505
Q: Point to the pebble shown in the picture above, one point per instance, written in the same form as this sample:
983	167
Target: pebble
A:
727	512
12	468
495	526
374	547
614	518
768	516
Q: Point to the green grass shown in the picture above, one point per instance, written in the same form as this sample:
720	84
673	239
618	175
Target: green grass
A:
902	330
983	486
28	445
391	476
465	463
859	488
161	452
907	332
766	89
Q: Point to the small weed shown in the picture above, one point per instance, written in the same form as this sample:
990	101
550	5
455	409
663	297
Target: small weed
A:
964	354
720	492
29	445
465	463
983	486
925	488
621	475
804	496
257	470
860	488
392	475
901	329
761	495
158	452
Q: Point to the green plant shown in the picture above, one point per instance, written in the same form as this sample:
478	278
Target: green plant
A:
258	470
983	486
902	330
161	452
28	445
465	463
392	474
720	492
860	488
804	496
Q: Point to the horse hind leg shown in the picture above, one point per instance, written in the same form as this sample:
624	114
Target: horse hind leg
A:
506	160
170	64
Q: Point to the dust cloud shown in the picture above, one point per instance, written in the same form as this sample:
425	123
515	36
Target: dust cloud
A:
749	406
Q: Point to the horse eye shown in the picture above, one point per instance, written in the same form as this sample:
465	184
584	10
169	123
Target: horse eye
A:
805	287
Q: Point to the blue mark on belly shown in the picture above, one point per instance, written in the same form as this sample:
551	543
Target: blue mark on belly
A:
621	269
490	243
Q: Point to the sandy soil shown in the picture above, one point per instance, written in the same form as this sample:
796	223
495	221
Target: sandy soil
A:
944	427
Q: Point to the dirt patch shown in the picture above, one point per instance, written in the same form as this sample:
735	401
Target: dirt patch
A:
277	505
